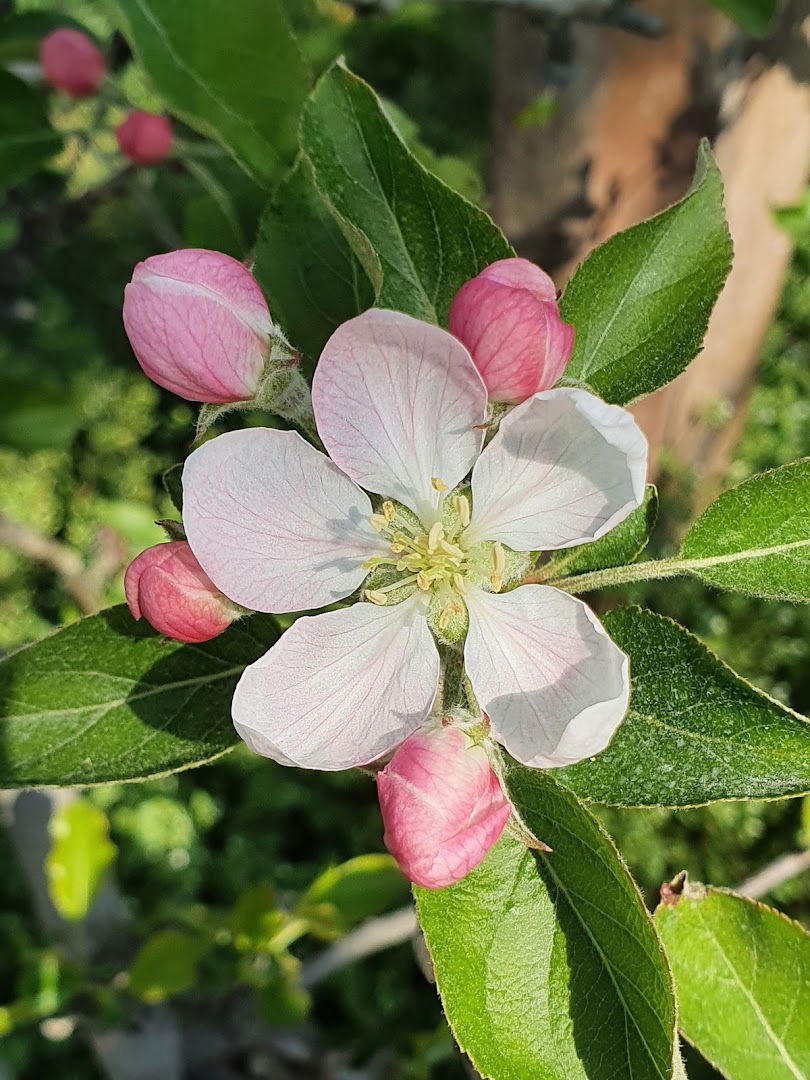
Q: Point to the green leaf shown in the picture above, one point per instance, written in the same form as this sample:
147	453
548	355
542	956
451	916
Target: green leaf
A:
641	302
81	850
429	240
237	77
165	965
173	485
27	139
256	917
620	546
306	266
756	537
356	890
106	699
755	17
695	731
742	973
548	964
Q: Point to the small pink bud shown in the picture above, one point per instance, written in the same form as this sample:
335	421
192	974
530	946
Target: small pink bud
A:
508	318
71	62
167	586
442	806
198	324
144	138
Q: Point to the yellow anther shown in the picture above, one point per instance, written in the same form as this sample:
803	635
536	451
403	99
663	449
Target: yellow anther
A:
378	522
496	581
497	558
423	581
398	548
458	609
453	550
458	583
388	511
444	618
435	537
376	597
462	504
437	484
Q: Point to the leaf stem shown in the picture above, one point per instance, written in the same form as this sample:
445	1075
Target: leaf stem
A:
625	575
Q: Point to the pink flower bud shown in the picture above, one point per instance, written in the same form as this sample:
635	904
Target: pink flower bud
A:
167	586
198	324
442	806
71	62
144	138
508	318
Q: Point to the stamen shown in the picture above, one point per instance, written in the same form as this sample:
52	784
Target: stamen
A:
378	522
397	548
498	563
435	537
462	504
444	618
376	597
453	550
458	583
423	581
388	511
437	484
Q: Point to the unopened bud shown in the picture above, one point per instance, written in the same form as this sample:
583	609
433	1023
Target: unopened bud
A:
167	586
199	325
442	806
71	62
145	138
508	318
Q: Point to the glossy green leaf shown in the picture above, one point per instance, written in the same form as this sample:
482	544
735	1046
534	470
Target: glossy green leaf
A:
165	965
755	17
742	973
361	888
620	546
81	851
548	964
641	301
107	699
27	139
235	77
428	239
306	266
695	731
756	537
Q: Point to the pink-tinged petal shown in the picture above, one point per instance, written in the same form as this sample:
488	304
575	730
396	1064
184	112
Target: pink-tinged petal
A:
442	806
71	62
564	468
167	586
521	274
275	524
519	344
340	689
397	402
198	325
552	682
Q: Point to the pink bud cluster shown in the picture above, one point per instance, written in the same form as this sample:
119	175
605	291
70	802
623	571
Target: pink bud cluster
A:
508	318
442	806
72	63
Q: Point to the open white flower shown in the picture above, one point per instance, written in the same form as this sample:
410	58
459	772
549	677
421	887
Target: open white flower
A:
280	527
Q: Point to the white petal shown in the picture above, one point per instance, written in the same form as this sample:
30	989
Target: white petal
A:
397	402
564	468
553	684
274	523
340	689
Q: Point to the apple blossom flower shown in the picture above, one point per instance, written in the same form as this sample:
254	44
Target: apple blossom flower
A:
71	62
167	586
198	324
145	138
280	527
442	806
508	318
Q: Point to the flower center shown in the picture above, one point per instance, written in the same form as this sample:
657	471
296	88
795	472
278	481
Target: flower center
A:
434	561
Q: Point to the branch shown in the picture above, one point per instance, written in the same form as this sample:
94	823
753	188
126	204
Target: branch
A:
372	937
776	873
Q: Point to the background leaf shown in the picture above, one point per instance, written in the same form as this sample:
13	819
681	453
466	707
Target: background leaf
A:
107	699
358	889
548	965
165	965
695	732
760	532
304	263
246	93
755	17
641	301
80	853
742	972
27	139
428	239
620	546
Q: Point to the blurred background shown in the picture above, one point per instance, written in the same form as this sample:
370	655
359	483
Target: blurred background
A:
206	925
